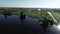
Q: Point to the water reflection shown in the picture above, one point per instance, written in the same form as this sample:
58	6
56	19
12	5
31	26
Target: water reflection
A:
22	17
5	16
58	26
15	19
30	25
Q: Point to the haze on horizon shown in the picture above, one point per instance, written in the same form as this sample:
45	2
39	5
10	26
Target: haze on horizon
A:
30	3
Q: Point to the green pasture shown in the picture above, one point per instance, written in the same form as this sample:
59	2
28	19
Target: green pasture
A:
37	15
56	15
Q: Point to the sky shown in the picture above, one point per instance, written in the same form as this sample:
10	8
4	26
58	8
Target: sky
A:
30	3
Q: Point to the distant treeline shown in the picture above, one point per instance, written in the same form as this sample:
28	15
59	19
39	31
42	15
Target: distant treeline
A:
30	9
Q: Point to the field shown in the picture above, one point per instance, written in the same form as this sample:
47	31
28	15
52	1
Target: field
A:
38	14
56	15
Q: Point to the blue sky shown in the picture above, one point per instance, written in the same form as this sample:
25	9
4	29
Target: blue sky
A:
30	3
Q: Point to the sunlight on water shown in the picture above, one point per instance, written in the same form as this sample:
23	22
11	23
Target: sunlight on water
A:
58	26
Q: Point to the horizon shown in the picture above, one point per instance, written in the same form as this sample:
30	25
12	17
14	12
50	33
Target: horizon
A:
31	7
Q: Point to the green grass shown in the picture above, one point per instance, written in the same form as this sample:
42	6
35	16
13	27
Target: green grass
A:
31	14
1	12
16	13
38	15
56	15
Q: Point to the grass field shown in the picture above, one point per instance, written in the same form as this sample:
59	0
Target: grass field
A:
56	15
37	15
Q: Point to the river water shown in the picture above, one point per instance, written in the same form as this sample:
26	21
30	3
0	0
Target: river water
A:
29	26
